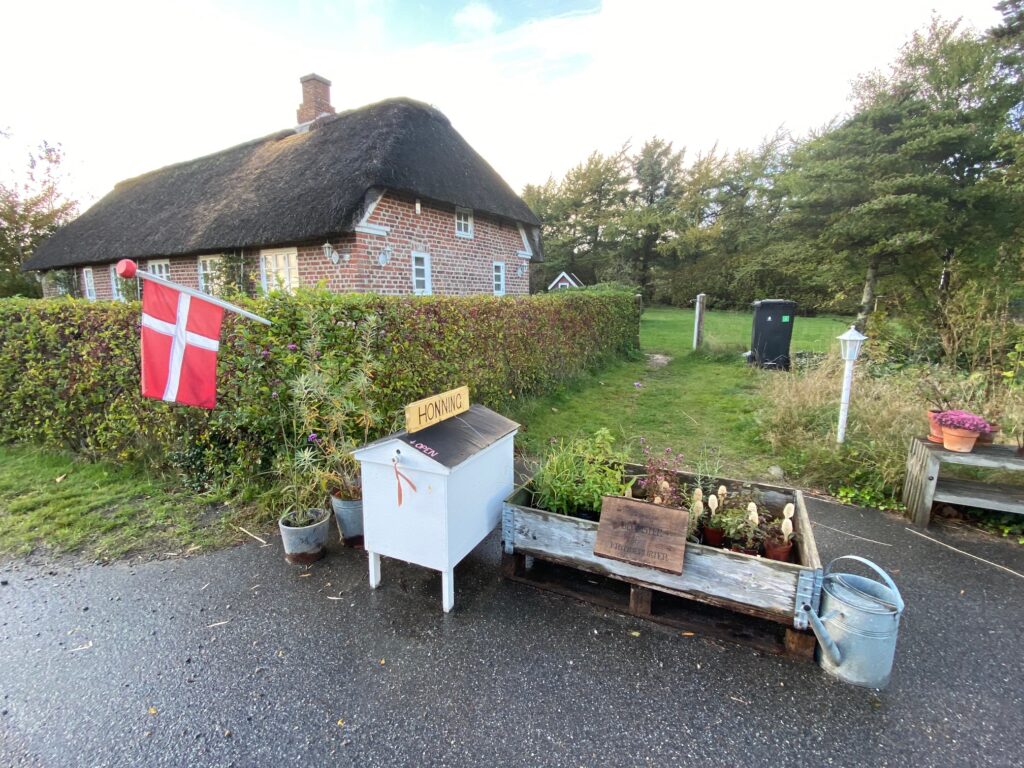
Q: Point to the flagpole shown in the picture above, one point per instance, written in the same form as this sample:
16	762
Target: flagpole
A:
127	269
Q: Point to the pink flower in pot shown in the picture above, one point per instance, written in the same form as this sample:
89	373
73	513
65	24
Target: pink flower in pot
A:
960	429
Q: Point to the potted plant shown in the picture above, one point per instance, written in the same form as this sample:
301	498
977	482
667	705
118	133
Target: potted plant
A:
778	539
578	472
339	408
305	523
714	528
960	430
743	527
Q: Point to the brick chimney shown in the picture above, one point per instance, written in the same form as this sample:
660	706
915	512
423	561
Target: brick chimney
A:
316	98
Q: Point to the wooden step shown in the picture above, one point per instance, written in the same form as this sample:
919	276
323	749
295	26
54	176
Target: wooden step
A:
972	493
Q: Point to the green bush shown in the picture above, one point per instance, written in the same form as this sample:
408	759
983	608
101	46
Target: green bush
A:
69	369
575	474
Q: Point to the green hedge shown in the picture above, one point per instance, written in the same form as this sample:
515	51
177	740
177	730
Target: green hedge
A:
69	369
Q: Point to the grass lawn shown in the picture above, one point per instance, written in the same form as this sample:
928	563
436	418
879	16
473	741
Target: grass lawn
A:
698	402
54	503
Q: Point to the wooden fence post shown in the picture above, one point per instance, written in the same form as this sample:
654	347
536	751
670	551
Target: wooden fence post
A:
698	322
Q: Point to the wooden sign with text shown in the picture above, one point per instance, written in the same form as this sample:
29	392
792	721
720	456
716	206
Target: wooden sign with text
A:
431	410
642	533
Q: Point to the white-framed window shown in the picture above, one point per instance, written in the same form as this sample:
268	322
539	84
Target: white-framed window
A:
463	222
279	269
499	278
88	284
421	284
211	273
115	284
159	267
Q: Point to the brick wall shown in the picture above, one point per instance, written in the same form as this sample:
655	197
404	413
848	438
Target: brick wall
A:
459	265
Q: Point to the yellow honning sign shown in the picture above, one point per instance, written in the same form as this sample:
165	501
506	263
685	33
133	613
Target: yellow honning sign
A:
430	410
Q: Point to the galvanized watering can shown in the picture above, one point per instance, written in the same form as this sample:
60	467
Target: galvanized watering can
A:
858	625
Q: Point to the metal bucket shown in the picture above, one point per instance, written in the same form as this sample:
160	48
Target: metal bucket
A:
349	515
858	625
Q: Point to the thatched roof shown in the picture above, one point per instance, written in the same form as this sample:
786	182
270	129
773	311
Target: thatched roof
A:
293	186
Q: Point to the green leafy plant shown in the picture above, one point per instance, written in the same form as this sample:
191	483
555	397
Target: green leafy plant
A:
576	473
69	371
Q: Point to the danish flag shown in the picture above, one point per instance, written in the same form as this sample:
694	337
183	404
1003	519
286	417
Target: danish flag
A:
180	339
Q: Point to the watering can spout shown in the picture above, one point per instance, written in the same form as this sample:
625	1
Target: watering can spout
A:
828	645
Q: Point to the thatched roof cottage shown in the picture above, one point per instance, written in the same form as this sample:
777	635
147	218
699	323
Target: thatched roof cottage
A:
387	198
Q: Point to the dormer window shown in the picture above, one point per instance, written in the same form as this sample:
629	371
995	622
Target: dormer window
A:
463	222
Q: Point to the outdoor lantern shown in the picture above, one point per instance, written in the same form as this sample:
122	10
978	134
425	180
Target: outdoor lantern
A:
850	344
849	348
333	255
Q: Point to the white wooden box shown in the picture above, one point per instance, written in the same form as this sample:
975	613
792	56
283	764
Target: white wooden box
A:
453	477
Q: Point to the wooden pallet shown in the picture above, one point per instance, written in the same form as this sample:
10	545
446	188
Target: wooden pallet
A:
664	608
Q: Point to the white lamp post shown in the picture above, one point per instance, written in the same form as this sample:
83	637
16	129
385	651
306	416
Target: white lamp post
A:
849	349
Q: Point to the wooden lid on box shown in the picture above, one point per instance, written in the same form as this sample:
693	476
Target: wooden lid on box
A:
454	440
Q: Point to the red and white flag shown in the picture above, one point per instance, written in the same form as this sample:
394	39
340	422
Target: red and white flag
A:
180	338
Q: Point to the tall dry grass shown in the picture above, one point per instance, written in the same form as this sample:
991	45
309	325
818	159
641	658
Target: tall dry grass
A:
800	418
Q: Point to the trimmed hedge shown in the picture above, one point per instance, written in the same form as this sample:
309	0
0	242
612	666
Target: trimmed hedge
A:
69	369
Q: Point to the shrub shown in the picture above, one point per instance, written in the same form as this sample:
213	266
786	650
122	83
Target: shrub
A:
575	474
69	369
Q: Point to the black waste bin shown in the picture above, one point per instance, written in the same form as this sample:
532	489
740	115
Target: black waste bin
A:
772	333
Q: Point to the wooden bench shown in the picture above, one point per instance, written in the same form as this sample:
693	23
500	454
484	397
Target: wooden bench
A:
924	486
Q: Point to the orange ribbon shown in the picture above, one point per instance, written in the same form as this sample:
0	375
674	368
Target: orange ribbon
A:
399	477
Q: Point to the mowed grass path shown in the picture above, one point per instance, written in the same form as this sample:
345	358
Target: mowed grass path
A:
697	402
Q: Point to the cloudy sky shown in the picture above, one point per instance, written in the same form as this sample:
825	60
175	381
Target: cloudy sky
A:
534	86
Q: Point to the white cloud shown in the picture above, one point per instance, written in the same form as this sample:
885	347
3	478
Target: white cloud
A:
475	19
151	85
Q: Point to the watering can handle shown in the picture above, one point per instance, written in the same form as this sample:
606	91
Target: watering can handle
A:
885	576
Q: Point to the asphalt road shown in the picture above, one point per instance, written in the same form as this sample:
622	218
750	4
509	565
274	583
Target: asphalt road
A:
238	659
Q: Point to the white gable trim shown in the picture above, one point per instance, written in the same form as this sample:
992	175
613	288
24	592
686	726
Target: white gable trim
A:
527	252
372	229
567	276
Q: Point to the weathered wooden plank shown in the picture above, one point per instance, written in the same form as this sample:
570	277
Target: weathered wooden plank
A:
987	456
914	486
754	585
800	644
806	545
642	533
639	600
997	496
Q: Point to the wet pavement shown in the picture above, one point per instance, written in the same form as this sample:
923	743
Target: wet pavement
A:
238	659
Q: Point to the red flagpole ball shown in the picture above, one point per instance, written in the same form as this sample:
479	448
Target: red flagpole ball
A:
126	269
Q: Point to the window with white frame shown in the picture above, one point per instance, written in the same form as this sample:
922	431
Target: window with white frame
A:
88	284
421	284
115	284
211	273
463	222
499	278
160	268
279	269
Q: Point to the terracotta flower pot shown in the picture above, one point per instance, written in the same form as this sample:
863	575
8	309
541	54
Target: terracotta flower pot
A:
714	537
959	440
778	550
987	438
935	435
